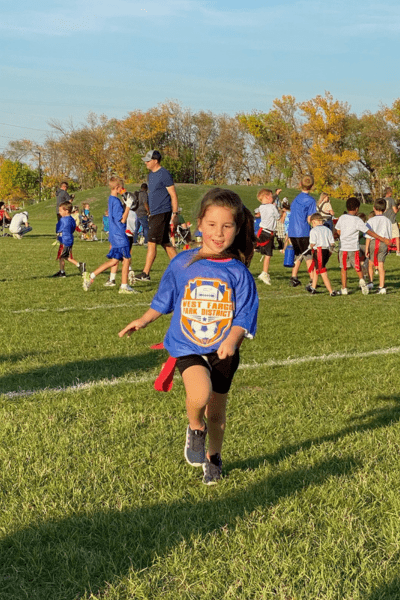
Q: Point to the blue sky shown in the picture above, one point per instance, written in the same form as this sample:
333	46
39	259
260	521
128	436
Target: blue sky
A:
60	60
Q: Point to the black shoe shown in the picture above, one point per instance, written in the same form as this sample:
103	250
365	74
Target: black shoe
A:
335	293
212	470
59	274
82	268
294	282
142	277
310	289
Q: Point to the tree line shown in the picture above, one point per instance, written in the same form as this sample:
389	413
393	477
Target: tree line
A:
346	153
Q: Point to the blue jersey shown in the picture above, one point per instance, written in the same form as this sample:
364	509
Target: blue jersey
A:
116	235
159	198
207	298
303	206
66	226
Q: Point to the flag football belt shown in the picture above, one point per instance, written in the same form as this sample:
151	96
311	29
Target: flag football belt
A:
269	232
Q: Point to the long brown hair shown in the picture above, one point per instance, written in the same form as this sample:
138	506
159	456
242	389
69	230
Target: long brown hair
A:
244	242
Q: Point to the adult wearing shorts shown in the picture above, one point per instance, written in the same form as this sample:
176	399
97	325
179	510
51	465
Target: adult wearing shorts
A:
163	205
302	207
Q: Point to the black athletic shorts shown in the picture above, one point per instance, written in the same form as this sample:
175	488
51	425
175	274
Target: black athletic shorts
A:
300	245
221	371
64	252
265	241
159	229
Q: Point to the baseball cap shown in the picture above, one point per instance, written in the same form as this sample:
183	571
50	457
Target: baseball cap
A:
152	154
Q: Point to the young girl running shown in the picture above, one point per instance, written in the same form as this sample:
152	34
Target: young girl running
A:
214	300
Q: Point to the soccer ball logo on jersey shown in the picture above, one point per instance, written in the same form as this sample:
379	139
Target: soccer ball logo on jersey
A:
206	311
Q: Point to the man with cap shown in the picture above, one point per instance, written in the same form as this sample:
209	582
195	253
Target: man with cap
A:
163	204
62	196
19	225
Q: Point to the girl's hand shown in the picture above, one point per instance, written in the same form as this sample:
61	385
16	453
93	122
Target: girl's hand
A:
226	349
148	317
367	253
133	326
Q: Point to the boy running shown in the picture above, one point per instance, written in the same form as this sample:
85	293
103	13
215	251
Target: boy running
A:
65	231
119	250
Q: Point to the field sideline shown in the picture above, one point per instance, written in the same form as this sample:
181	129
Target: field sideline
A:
97	501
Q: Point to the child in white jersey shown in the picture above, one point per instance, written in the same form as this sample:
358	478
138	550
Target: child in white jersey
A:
348	227
265	237
321	244
374	249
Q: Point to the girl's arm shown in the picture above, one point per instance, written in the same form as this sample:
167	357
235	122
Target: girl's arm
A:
231	343
148	317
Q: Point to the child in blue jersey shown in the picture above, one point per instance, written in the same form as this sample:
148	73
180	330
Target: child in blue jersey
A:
65	231
214	302
120	250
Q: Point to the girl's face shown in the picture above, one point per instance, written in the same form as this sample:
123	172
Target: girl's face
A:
218	228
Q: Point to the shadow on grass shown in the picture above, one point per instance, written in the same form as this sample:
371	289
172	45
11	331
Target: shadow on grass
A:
62	559
14	358
368	421
79	371
388	591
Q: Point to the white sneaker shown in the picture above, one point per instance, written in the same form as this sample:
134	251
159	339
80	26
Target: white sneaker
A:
265	277
397	253
370	286
131	277
364	290
343	292
381	291
110	283
87	281
127	290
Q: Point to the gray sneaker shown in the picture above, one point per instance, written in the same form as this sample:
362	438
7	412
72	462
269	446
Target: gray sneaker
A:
110	283
212	470
195	452
82	267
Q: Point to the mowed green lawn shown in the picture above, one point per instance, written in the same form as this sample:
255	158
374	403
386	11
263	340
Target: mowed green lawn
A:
97	500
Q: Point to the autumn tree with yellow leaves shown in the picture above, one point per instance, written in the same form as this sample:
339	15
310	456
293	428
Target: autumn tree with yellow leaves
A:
346	153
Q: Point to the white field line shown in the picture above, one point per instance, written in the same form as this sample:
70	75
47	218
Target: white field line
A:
151	376
110	306
69	308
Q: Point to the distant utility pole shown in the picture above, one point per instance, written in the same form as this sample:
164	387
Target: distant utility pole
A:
40	177
194	162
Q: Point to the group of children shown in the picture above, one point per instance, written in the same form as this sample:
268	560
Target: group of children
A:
314	241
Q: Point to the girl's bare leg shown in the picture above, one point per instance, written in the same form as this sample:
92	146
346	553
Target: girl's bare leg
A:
197	382
216	420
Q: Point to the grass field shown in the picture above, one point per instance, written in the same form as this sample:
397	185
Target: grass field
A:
97	501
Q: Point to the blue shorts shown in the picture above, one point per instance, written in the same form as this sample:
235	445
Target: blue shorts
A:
119	253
